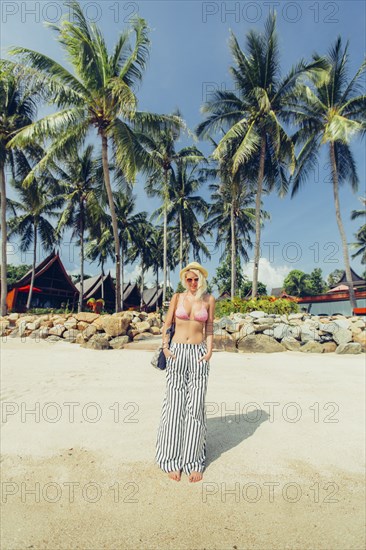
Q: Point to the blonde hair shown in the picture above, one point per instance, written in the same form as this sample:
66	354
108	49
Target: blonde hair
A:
202	283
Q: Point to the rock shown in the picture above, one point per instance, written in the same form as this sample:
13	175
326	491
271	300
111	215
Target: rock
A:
312	347
142	326
70	324
359	323
282	331
342	323
57	330
89	331
70	335
155	330
244	331
43	332
259	343
142	336
124	315
342	336
132	333
80	338
58	321
309	334
360	339
87	317
25	319
13	316
257	314
290	343
232	326
261	328
268	332
267	321
82	325
22	327
295	316
329	347
143	315
224	342
119	342
355	330
349	347
53	339
98	323
34	325
48	323
221	323
116	326
14	333
97	341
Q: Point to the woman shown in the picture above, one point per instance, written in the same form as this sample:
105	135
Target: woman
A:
181	440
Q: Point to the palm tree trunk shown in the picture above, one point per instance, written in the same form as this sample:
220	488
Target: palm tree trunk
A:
165	237
122	276
180	241
33	267
4	287
233	250
258	217
102	292
333	162
142	287
81	295
157	288
107	182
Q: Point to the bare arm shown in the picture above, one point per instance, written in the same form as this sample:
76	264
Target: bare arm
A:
169	319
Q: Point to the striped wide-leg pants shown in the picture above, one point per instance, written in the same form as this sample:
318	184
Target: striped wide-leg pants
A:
181	438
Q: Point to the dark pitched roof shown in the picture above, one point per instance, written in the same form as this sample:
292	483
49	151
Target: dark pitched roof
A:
355	279
151	296
128	288
42	268
92	284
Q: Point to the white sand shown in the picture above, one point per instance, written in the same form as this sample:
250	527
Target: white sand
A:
254	450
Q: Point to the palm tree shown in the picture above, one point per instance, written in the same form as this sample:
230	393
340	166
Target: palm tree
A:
100	246
252	116
99	95
79	178
297	283
231	213
17	110
331	113
129	225
185	180
36	201
142	250
164	155
359	213
156	252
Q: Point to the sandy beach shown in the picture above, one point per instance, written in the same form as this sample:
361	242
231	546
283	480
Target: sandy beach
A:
285	453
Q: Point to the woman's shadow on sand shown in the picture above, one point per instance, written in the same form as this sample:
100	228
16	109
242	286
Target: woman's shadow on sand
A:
228	430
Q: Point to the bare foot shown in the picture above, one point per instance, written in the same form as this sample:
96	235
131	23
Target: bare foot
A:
175	475
195	476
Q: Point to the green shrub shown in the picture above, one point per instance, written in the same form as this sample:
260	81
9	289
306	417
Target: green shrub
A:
264	303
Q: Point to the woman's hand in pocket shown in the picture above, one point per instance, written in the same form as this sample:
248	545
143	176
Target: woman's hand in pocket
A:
168	353
205	357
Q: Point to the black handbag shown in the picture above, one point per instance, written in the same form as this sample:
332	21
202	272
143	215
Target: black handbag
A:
159	359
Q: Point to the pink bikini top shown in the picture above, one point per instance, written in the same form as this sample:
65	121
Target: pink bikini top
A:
181	313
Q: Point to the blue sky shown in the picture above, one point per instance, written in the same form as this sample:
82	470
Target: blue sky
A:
189	57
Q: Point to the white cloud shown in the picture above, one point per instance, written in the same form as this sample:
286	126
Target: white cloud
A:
268	274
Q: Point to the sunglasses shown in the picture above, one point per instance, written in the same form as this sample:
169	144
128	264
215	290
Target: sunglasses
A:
189	280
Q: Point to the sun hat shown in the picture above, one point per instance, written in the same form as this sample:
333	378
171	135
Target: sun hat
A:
193	265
